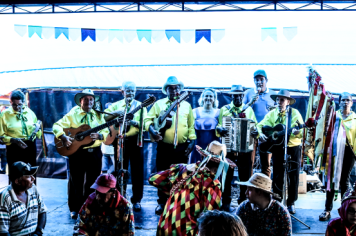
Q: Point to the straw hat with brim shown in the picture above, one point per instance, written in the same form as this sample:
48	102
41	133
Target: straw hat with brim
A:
236	89
172	80
216	149
19	169
85	92
260	181
285	94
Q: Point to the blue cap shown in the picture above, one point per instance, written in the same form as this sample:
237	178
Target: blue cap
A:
261	73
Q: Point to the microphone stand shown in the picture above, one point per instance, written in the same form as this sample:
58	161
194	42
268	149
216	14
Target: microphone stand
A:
285	163
121	141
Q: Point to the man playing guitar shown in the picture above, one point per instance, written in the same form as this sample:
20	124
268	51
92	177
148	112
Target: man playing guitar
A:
244	161
85	163
272	118
133	144
167	152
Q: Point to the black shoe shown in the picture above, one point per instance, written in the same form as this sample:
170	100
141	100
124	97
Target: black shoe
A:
137	206
2	172
227	208
159	209
325	216
291	209
74	215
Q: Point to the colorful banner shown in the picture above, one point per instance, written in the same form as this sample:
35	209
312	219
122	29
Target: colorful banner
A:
156	35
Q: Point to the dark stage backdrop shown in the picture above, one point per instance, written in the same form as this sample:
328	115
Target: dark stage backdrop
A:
50	106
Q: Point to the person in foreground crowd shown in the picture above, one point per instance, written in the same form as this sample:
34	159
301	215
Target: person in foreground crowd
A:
105	212
244	161
346	223
85	163
22	210
221	223
16	126
260	98
344	151
192	189
261	214
206	120
133	152
278	116
167	152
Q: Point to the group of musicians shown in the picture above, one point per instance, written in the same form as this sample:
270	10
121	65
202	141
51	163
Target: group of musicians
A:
174	143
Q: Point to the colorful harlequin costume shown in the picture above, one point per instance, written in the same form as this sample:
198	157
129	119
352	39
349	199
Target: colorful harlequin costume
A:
192	189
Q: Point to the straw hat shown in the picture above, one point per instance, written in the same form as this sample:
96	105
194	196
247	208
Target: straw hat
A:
216	149
260	181
85	92
172	80
285	94
236	89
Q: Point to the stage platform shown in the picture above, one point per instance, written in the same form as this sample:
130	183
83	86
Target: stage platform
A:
54	192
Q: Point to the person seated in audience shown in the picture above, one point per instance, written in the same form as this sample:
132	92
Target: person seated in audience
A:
22	210
261	214
221	223
346	223
105	212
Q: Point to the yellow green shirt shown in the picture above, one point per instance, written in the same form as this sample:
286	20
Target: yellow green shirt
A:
120	105
350	128
250	114
11	126
75	118
271	120
185	121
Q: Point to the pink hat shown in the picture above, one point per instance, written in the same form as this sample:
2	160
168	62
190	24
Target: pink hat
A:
104	183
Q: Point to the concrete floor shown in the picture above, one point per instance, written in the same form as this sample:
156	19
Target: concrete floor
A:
59	223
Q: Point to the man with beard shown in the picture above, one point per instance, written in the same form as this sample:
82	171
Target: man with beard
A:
243	160
260	100
167	153
278	116
133	151
85	163
22	210
105	212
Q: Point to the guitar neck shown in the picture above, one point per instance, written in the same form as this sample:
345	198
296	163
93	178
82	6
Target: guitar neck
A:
174	104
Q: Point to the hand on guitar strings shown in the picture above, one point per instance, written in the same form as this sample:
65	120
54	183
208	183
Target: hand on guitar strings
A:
263	138
66	140
155	134
222	131
96	136
18	142
295	131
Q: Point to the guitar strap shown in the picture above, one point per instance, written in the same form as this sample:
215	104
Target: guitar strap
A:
232	112
289	122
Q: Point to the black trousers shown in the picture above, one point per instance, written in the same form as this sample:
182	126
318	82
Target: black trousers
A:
347	165
293	174
166	156
3	158
134	155
244	162
28	155
84	169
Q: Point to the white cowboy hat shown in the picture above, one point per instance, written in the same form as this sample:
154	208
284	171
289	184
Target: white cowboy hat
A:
236	89
260	181
172	80
85	92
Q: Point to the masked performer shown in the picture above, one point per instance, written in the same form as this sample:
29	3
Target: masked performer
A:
85	163
192	189
278	116
16	127
133	151
244	161
343	153
167	152
261	102
206	120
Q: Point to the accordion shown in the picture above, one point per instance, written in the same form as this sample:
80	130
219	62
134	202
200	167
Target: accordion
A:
239	138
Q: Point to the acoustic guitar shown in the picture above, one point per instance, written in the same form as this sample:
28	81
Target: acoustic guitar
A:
276	135
81	134
164	120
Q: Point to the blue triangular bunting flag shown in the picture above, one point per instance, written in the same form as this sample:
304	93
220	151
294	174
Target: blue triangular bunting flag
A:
88	32
61	30
144	34
271	32
20	29
34	29
290	32
200	33
173	33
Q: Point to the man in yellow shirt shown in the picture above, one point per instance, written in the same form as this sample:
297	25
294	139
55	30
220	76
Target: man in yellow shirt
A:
85	163
272	118
167	153
243	160
16	126
133	151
